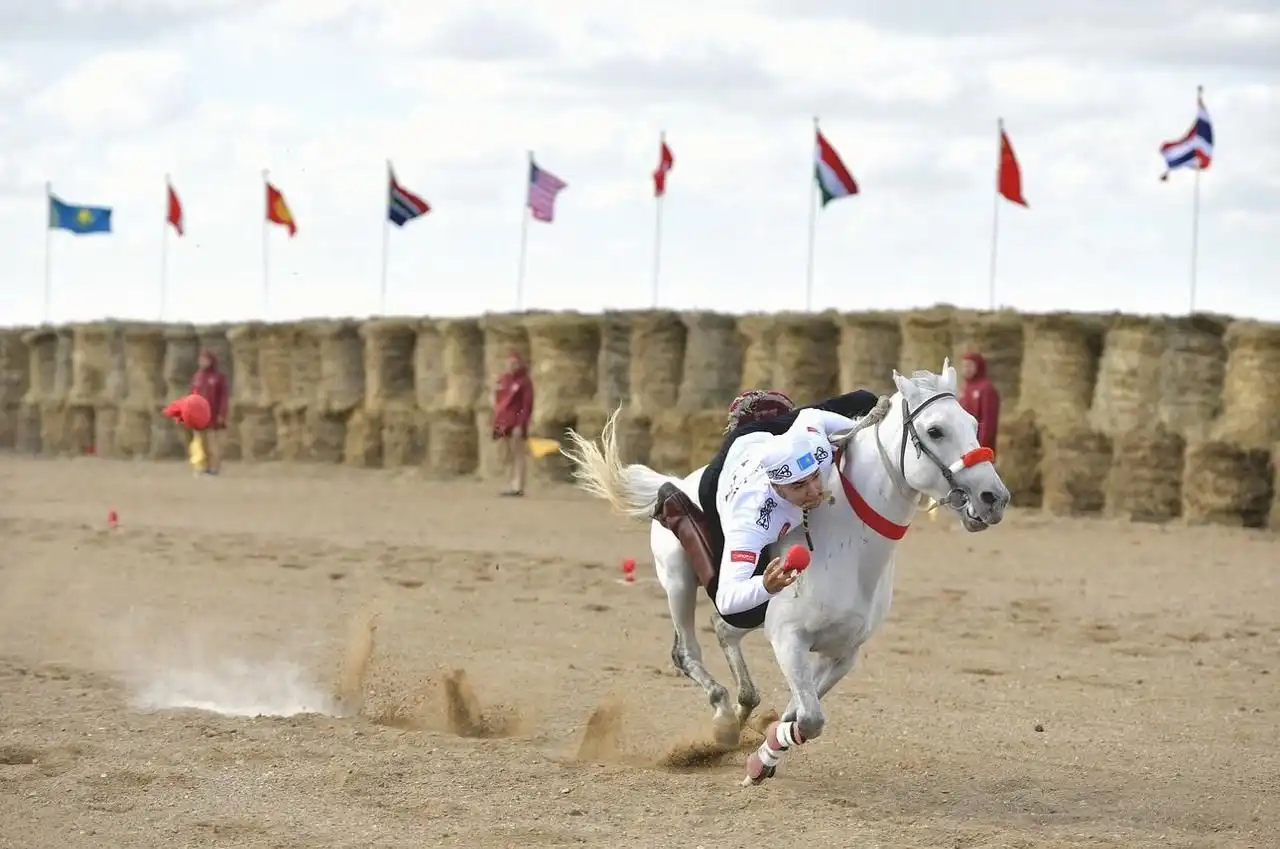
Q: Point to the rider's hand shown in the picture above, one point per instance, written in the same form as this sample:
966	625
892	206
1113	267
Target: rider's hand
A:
777	578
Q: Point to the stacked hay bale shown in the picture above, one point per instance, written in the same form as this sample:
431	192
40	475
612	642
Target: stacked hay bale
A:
389	424
1059	366
430	380
251	431
1077	460
1191	374
712	367
1126	395
613	365
1250	390
1145	480
870	349
339	392
998	338
15	379
169	439
294	435
145	389
42	355
97	387
658	340
926	339
565	353
460	425
1018	458
1274	522
806	352
56	436
1227	484
758	337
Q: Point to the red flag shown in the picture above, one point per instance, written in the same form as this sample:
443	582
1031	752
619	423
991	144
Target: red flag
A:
278	211
1009	180
175	211
665	161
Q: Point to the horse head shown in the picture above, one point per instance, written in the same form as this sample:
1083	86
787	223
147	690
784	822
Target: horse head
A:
936	452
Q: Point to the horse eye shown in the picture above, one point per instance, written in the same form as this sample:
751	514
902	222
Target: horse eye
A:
934	432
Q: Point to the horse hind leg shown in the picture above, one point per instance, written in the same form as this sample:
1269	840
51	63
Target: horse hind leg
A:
730	639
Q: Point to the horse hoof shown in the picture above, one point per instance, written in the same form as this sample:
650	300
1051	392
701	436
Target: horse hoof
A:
727	732
757	771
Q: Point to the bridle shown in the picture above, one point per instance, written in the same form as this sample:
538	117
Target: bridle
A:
956	498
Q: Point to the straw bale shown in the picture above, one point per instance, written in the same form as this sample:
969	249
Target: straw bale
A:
257	433
244	340
926	339
341	355
503	333
759	334
42	348
230	443
169	440
430	380
706	432
144	354
463	361
213	338
324	436
275	363
106	419
1074	471
870	349
453	442
1145	481
63	355
181	359
1191	373
807	357
15	367
27	429
490	451
564	348
90	363
613	365
554	467
712	361
81	430
657	361
1274	521
305	370
1127	393
672	443
55	435
1059	365
630	430
404	436
388	362
9	414
363	448
133	430
1225	483
1250	390
1018	458
998	338
291	436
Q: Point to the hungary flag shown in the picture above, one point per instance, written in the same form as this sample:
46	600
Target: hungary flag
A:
834	179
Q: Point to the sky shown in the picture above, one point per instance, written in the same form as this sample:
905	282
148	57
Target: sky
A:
103	98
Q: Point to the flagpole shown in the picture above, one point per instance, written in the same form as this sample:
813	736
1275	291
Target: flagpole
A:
524	237
1195	215
813	226
48	249
164	249
995	216
386	243
266	285
657	226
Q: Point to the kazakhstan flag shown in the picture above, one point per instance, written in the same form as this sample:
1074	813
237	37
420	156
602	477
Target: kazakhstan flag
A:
78	219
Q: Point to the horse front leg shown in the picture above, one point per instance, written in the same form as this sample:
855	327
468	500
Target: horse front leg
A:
780	737
730	639
827	671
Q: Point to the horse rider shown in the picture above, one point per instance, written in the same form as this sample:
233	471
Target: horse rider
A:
768	474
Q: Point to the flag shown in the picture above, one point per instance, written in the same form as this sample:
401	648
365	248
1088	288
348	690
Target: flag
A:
543	188
1009	177
278	211
1195	149
175	211
402	204
665	161
78	219
834	180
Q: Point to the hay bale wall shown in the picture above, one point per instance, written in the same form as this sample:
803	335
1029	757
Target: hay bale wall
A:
998	338
613	365
1077	460
870	349
564	349
1227	484
463	356
1018	458
15	377
712	368
1126	395
657	362
430	379
1145	480
926	339
1250	389
1191	373
244	342
806	356
341	352
758	334
1059	367
388	362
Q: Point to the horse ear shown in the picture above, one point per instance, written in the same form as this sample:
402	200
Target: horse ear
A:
948	373
905	386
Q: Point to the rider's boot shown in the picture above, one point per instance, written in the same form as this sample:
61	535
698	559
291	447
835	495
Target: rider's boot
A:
677	513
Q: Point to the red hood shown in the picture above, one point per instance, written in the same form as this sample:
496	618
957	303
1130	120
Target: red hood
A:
979	365
213	358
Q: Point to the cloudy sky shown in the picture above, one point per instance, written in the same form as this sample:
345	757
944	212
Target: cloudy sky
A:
103	97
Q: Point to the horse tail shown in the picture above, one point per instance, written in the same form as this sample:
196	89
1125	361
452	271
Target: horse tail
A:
631	490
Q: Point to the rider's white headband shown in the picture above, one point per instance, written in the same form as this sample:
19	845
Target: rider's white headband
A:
803	458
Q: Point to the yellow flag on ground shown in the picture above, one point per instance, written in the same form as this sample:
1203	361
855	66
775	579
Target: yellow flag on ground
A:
540	447
195	452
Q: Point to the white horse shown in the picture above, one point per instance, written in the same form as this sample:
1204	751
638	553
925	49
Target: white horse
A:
918	443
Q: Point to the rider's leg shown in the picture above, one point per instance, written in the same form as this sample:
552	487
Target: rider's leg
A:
676	512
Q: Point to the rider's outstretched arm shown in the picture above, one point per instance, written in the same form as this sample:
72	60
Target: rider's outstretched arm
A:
739	589
822	420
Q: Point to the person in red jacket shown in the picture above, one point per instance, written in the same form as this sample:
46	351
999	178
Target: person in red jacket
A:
512	411
980	399
211	384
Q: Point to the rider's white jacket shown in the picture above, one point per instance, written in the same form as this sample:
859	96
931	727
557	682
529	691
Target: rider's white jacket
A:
753	514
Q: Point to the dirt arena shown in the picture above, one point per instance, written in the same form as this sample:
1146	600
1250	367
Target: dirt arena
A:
1048	683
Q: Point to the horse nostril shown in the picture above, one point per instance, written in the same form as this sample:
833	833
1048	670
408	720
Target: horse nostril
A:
989	498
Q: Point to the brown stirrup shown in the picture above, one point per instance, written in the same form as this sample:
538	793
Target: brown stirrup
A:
677	513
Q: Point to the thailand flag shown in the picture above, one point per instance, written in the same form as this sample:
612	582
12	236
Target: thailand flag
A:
1195	149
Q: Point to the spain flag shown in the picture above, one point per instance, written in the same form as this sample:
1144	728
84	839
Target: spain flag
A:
278	211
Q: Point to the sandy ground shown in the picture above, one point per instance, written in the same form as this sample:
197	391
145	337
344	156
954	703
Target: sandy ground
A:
1048	683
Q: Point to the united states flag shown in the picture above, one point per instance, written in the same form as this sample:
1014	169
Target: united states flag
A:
543	188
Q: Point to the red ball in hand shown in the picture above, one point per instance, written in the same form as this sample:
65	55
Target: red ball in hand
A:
797	559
